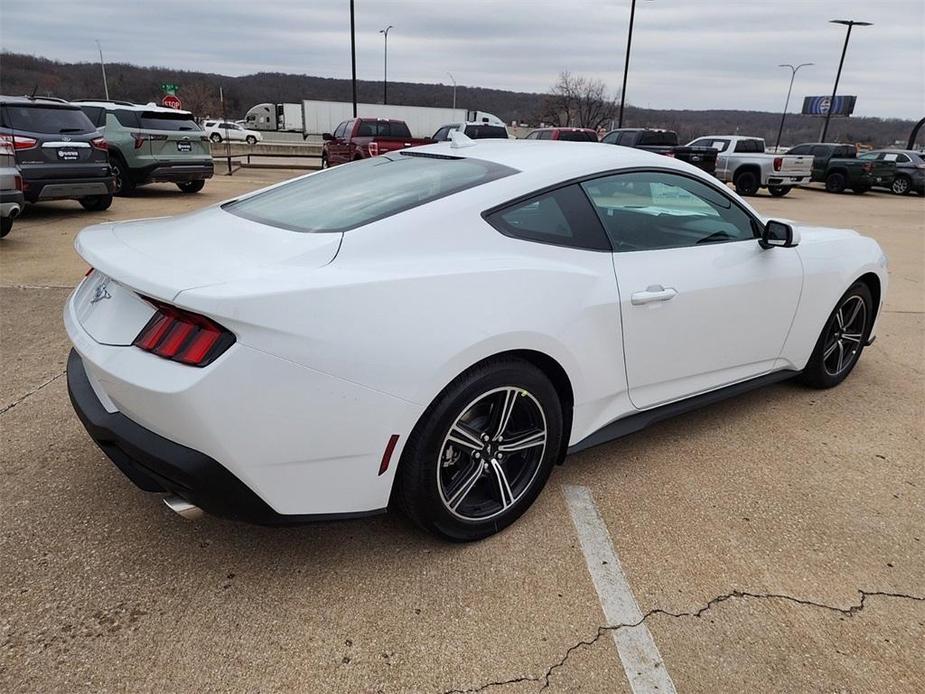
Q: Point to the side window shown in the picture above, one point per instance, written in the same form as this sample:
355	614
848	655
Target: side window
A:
800	149
820	151
889	156
652	210
339	131
902	159
442	134
561	217
127	118
612	138
95	114
533	135
545	135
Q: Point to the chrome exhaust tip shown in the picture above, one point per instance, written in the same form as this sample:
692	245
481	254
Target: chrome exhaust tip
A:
183	508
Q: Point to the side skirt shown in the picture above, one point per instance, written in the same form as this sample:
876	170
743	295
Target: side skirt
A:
636	422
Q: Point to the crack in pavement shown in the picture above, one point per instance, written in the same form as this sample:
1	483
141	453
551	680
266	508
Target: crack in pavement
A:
7	408
734	595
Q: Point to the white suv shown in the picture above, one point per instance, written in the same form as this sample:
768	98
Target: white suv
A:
218	130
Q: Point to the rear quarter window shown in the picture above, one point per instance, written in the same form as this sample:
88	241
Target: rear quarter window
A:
351	195
126	118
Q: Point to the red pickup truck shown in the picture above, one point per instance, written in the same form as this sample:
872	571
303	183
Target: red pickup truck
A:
361	138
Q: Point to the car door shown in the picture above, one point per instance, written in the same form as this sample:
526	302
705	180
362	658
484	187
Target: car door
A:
702	304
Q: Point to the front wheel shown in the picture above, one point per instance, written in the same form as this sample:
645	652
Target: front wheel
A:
215	137
251	140
842	340
779	191
746	183
96	203
901	185
191	186
6	226
482	452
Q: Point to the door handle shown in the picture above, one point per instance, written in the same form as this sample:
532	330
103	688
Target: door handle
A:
654	292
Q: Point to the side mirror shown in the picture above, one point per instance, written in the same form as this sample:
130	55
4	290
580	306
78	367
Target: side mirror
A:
327	137
778	234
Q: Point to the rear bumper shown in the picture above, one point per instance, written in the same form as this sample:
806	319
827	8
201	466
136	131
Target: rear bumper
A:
156	464
781	180
179	172
11	202
65	188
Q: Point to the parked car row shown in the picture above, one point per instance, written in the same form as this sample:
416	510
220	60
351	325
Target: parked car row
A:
88	150
742	161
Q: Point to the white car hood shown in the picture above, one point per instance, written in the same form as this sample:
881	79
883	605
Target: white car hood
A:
164	256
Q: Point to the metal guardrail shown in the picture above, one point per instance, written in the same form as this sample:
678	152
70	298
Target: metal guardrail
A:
243	155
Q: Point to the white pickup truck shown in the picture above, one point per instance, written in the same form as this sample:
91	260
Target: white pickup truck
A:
742	161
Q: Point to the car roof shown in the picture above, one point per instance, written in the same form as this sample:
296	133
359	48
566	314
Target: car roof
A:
558	127
129	106
52	101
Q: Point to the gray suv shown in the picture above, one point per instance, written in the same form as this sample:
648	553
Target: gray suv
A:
910	169
59	152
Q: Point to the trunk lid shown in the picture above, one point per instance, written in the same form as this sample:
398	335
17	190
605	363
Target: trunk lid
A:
173	136
162	257
794	165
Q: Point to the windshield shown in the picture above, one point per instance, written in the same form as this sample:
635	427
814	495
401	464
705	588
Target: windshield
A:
156	120
46	119
361	192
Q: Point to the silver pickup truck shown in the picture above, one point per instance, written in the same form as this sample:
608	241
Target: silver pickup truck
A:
743	162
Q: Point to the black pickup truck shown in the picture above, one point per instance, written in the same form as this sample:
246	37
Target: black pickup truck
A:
839	168
663	142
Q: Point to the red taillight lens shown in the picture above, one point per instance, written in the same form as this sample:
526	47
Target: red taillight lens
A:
374	149
17	182
778	163
99	143
19	141
183	336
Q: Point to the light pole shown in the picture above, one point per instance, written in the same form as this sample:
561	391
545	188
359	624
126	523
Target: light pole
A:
626	66
103	68
793	75
353	58
850	23
385	67
454	89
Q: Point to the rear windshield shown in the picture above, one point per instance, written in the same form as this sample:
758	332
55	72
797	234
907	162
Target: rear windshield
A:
155	120
383	128
46	119
577	136
351	195
659	138
485	132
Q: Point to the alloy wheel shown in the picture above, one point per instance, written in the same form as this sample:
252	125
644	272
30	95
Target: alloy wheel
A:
900	185
491	454
845	336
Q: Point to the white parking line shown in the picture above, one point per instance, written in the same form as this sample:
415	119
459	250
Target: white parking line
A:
640	657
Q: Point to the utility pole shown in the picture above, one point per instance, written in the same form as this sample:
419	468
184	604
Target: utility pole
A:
103	68
353	57
626	66
793	74
850	23
385	68
454	89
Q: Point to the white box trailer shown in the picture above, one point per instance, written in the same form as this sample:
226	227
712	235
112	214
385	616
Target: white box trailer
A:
324	116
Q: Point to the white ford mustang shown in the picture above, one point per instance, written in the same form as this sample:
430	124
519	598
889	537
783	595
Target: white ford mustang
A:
437	327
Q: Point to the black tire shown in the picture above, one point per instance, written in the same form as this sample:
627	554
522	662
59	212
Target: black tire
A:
324	162
835	182
191	186
215	137
747	183
96	203
6	226
779	191
860	190
901	185
435	470
835	355
251	140
124	185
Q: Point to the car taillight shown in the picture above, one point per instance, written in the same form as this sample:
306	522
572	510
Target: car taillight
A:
17	182
183	336
374	149
778	163
19	141
141	138
868	167
99	143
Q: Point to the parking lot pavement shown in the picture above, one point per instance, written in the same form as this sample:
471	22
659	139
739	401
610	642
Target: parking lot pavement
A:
771	543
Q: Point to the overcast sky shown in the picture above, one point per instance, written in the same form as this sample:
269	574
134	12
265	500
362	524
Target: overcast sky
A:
686	53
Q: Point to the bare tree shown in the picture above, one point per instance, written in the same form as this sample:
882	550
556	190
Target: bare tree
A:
579	102
201	99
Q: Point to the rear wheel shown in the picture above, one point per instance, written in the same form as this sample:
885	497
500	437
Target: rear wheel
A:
779	191
191	186
124	185
746	183
835	183
482	452
842	340
96	203
6	226
901	185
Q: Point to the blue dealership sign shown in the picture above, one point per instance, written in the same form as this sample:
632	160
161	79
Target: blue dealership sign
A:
820	105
